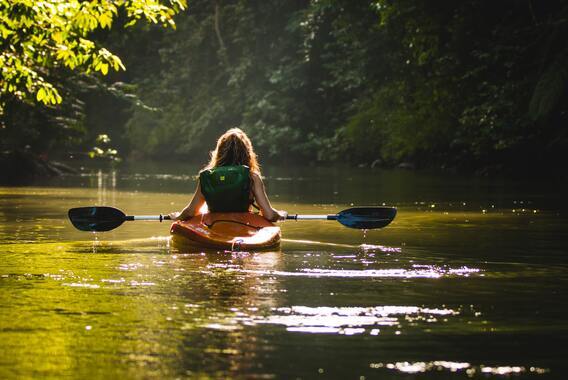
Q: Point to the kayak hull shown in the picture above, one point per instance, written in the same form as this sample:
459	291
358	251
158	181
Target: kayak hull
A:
238	231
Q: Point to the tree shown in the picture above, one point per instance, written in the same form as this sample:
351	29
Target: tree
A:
40	37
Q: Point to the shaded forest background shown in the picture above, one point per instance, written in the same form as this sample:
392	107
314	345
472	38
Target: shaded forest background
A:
470	85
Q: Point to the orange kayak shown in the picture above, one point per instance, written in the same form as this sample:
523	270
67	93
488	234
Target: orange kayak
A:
238	231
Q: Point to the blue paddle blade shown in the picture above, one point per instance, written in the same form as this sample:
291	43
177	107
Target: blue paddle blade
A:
366	218
96	219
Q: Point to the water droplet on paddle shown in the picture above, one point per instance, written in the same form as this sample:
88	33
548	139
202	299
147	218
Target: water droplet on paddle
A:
95	241
365	233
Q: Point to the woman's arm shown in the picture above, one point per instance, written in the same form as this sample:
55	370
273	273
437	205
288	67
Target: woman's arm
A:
261	198
192	207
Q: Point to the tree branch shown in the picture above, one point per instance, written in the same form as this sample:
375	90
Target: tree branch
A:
222	48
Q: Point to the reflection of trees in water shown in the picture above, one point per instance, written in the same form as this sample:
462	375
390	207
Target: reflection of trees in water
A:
216	302
32	214
105	183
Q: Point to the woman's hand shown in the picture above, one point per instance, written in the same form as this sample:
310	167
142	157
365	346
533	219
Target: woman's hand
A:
174	215
282	214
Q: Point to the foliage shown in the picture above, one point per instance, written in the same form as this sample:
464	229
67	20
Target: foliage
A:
41	35
271	67
469	84
50	51
461	92
103	150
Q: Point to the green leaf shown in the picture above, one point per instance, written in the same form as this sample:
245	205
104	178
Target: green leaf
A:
40	94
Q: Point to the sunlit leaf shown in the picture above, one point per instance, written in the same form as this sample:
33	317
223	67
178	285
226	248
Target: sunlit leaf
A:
40	95
55	34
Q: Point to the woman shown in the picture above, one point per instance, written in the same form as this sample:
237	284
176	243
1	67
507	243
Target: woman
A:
231	182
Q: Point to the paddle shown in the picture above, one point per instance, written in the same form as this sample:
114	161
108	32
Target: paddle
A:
364	218
102	218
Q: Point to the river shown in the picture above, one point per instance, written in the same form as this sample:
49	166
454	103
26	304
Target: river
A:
469	281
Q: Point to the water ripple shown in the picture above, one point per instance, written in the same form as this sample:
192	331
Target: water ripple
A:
350	320
470	370
335	320
417	271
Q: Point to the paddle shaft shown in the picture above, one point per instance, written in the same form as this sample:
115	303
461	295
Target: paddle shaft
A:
312	217
147	217
293	217
322	217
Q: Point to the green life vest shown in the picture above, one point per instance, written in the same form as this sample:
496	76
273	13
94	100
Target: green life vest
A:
226	188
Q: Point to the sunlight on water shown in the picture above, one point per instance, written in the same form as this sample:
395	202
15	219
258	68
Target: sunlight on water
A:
382	248
350	320
373	321
313	242
419	271
81	285
469	369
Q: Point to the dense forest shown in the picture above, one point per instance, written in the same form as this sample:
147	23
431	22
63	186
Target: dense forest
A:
470	85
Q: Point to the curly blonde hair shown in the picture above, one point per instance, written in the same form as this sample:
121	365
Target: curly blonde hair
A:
234	148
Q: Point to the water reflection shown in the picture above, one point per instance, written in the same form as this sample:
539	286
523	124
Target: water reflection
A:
456	367
165	305
350	320
417	271
106	187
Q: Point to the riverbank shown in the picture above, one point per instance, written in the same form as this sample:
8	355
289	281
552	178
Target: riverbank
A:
20	168
25	168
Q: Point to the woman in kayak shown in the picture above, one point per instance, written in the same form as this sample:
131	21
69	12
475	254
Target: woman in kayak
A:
231	182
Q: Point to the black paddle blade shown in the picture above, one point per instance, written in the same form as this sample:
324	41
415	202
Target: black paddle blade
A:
96	219
366	218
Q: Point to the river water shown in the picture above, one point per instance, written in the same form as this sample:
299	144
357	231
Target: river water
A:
469	281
